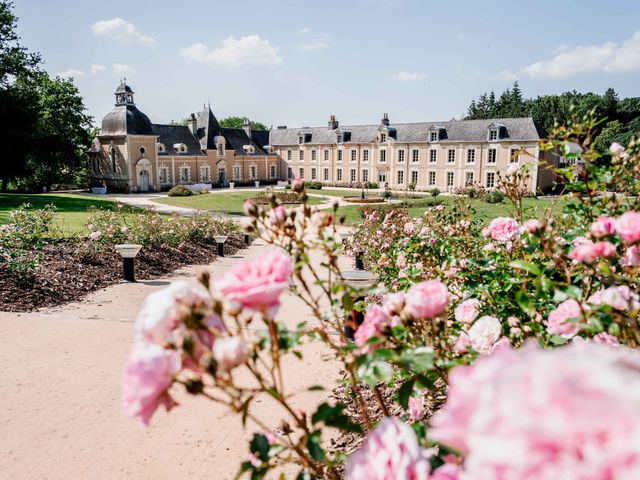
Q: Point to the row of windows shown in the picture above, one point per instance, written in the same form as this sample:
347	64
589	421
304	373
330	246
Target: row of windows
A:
415	155
184	173
431	177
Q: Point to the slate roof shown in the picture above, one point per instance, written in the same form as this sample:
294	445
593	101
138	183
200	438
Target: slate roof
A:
456	130
207	128
126	120
169	135
237	138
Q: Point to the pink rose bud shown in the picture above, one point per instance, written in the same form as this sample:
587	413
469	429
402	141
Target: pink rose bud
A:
229	352
416	408
603	227
564	319
467	311
484	333
628	227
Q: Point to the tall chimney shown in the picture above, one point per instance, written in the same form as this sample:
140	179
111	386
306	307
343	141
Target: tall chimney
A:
333	123
246	126
385	119
193	124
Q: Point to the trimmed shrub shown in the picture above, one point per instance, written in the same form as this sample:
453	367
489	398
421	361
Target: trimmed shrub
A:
495	196
180	191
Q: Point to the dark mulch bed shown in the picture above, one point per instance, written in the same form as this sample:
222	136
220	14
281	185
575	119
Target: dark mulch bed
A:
64	277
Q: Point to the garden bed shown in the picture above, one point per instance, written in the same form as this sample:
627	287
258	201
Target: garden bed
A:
64	277
357	199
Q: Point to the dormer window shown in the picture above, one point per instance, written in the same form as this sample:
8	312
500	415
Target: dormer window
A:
495	132
437	133
433	136
493	135
300	139
339	137
180	147
383	137
161	148
249	148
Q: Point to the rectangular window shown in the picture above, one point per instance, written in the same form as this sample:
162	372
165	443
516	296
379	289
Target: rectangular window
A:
204	173
415	156
468	178
383	137
492	155
451	155
313	155
301	172
339	175
432	178
289	173
400	156
326	155
400	177
301	155
326	174
313	174
433	155
365	175
433	136
354	155
272	171
493	135
383	156
253	172
164	175
449	179
236	172
289	155
471	155
300	139
184	174
353	175
339	155
414	177
365	155
491	179
514	155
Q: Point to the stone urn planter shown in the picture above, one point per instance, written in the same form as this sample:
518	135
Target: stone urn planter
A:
232	185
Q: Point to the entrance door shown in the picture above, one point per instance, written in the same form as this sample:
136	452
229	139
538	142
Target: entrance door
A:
144	181
222	177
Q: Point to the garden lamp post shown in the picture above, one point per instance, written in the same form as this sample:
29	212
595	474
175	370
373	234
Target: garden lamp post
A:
128	252
247	239
220	239
360	280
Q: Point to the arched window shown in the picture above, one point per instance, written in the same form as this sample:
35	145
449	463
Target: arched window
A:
113	159
142	150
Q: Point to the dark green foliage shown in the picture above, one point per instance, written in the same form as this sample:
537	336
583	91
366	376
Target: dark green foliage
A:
236	122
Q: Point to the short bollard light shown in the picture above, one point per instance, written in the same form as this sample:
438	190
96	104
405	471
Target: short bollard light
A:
220	239
128	252
358	255
247	239
360	280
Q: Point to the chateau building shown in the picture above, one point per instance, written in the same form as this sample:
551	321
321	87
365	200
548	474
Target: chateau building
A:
443	155
133	154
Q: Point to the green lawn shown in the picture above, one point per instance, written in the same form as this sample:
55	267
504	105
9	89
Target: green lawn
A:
71	208
336	193
483	211
231	203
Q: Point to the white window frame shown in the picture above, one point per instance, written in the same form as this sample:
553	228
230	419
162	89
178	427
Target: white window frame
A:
450	174
466	177
514	154
314	173
339	175
253	172
415	176
353	175
491	175
354	155
400	177
314	155
401	156
301	172
325	174
383	156
237	172
365	175
494	160
339	155
431	174
205	169
493	135
451	153
471	155
383	137
326	155
433	136
289	155
301	155
433	155
273	171
415	155
365	155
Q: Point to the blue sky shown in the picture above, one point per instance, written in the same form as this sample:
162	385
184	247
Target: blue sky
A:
296	62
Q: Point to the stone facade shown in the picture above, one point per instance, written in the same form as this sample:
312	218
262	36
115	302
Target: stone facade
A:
443	155
133	154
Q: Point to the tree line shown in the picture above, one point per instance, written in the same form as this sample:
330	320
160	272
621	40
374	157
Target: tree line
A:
45	131
622	116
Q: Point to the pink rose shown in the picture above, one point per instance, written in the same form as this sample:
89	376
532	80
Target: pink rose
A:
393	303
513	321
424	231
374	322
628	227
616	148
124	230
532	226
620	298
229	352
297	184
257	284
484	333
427	299
590	252
409	228
559	321
448	471
95	235
631	257
606	339
163	312
278	214
150	371
390	452
561	413
416	408
603	226
401	262
462	344
467	311
501	229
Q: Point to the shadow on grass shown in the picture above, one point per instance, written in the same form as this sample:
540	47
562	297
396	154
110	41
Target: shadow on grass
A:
65	203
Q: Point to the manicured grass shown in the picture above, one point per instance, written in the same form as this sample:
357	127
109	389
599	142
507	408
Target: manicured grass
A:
483	211
71	208
338	193
231	203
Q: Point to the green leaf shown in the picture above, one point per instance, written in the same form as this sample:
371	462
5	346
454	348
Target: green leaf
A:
313	445
558	340
532	268
332	416
524	302
404	392
260	446
418	359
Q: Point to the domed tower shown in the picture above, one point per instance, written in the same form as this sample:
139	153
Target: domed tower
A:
128	146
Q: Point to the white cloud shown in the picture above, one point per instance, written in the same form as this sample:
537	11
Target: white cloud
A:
121	69
313	40
121	30
72	72
409	76
609	57
97	68
251	49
